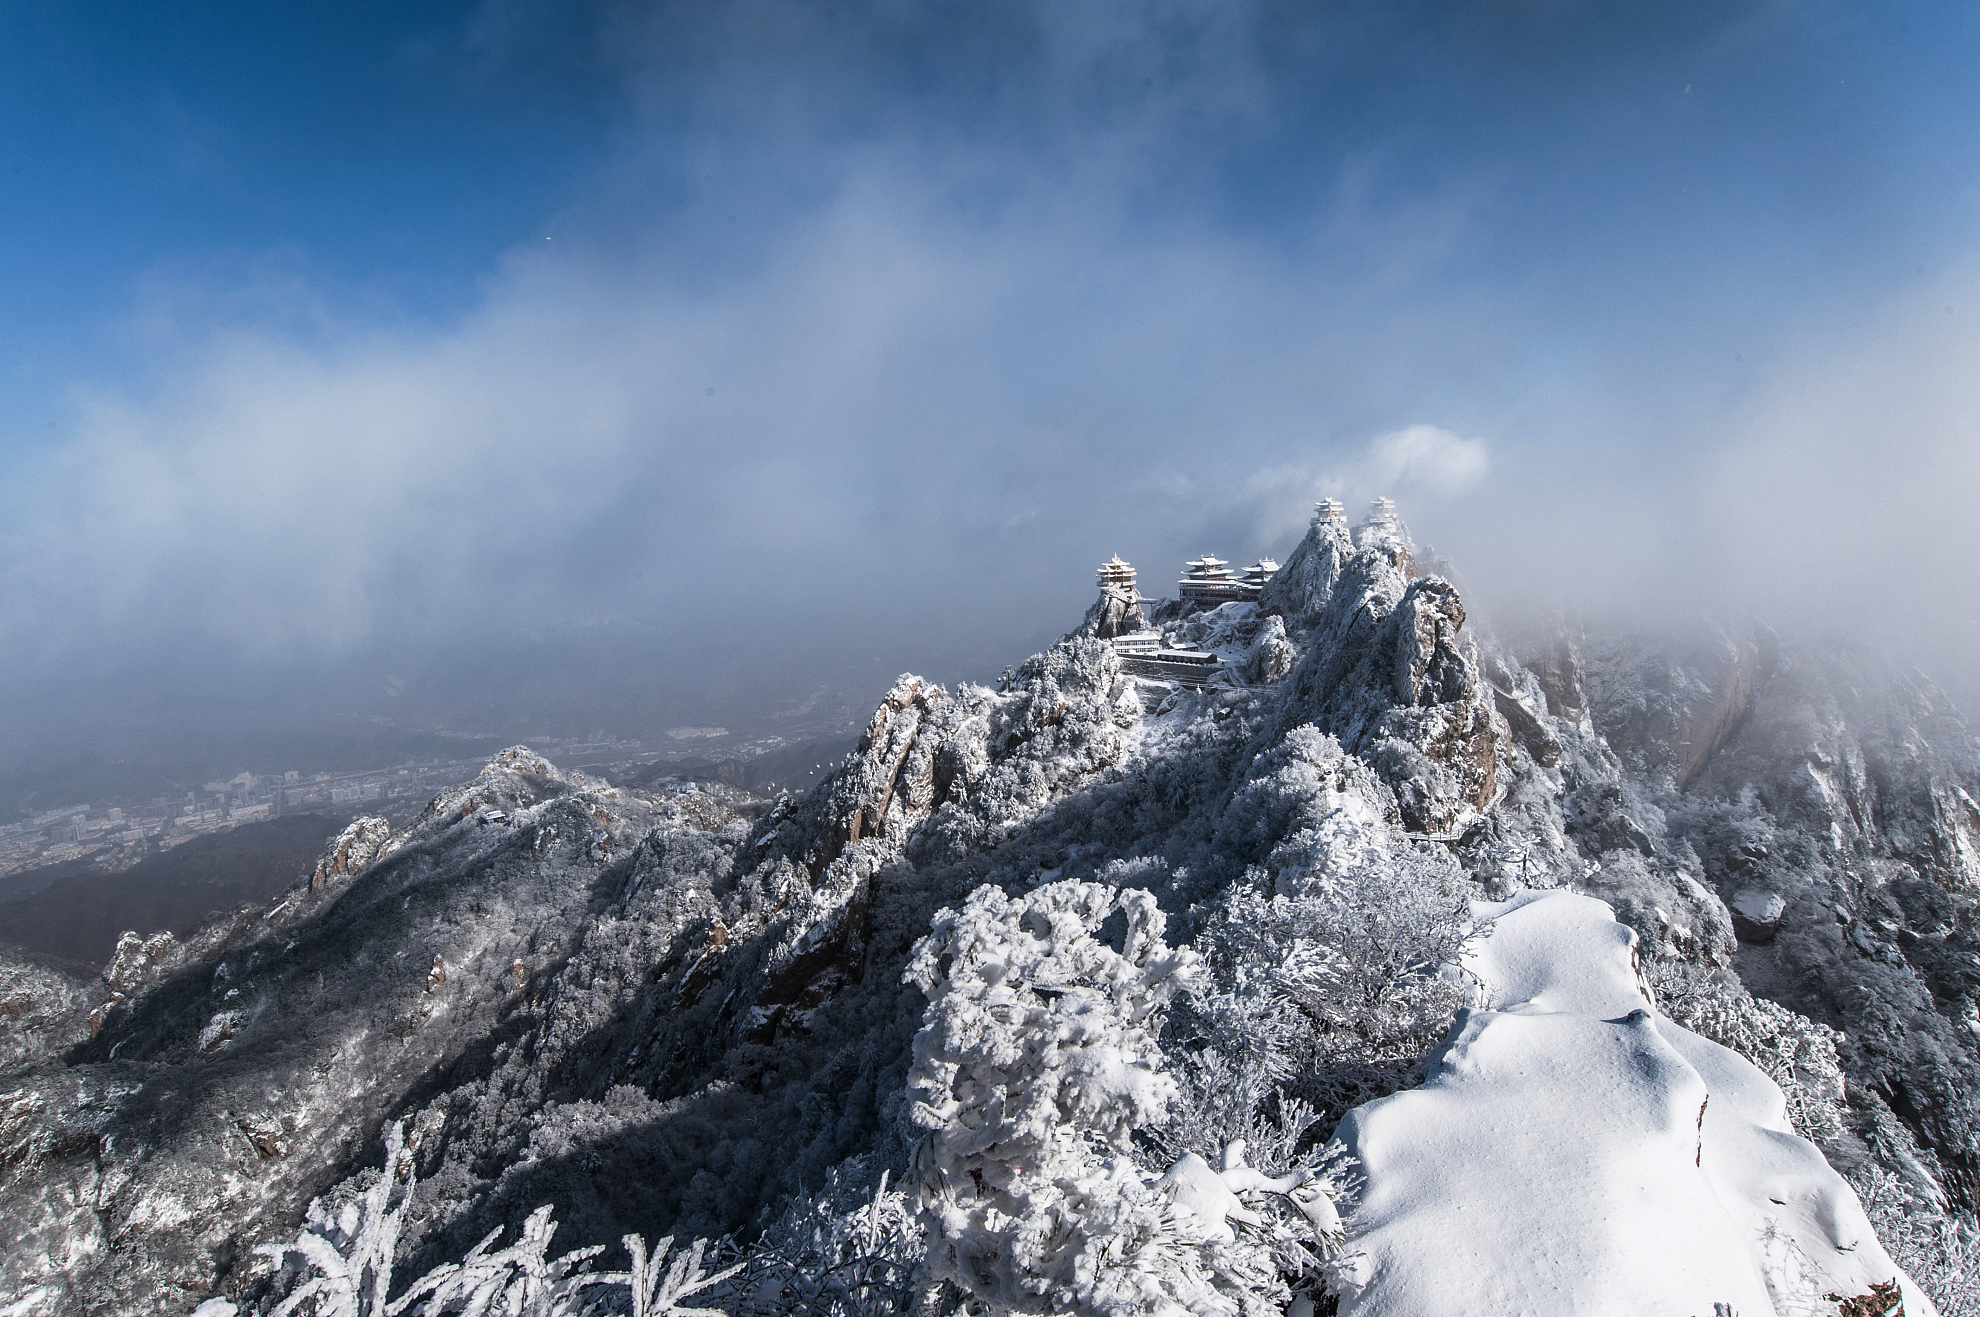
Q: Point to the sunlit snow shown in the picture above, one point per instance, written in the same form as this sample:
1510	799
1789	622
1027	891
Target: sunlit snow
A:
1572	1152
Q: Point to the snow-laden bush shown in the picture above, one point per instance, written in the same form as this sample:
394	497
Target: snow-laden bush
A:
841	1252
1797	1053
1307	812
1036	1065
1940	1252
342	1260
1331	995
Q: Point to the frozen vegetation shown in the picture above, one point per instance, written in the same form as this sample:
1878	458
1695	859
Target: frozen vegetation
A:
1404	969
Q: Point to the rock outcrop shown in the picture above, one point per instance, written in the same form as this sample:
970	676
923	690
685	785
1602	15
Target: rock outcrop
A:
1300	590
353	848
1389	671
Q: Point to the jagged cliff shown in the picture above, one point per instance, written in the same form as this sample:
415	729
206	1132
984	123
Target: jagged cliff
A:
666	1012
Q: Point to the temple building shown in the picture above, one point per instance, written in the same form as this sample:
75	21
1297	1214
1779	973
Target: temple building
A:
1147	655
1118	611
1124	618
1118	576
1208	581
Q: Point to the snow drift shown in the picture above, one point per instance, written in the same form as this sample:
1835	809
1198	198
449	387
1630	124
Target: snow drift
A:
1571	1152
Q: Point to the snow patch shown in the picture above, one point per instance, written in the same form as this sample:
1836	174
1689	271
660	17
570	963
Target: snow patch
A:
1571	1152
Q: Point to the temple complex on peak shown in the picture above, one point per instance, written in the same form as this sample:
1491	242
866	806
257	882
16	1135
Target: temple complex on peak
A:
1135	625
1118	612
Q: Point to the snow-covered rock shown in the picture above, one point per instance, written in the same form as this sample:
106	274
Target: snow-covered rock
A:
1570	1152
1304	585
353	848
1390	672
1756	914
44	1005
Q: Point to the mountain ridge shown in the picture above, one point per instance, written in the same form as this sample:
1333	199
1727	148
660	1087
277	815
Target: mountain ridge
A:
670	1011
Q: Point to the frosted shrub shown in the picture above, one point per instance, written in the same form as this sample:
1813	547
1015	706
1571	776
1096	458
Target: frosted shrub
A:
1940	1252
1036	1064
350	1252
1331	995
1797	1053
837	1253
351	1249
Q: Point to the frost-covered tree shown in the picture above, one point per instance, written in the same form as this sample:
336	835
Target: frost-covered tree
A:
1328	993
1036	1065
840	1252
342	1260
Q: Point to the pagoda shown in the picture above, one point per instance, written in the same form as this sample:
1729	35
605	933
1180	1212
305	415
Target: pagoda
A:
1258	573
1209	581
1118	611
1117	577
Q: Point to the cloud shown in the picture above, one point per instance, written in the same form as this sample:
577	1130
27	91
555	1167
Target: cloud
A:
856	361
1423	457
897	414
1844	497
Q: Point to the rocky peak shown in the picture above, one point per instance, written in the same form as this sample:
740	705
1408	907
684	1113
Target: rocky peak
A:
1389	671
351	849
1118	611
1383	532
1300	590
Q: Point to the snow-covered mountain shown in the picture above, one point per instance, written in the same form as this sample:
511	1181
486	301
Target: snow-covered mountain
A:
1086	994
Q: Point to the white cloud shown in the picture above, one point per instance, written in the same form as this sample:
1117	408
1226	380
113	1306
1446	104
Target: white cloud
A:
1423	457
945	382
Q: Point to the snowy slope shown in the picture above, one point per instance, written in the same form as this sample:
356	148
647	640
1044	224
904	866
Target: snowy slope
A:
1571	1151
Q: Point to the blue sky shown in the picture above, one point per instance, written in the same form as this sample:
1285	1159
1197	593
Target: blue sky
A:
380	327
380	150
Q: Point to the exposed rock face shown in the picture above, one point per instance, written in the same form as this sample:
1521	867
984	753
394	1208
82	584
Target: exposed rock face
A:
353	848
1114	613
1272	653
1669	710
1389	672
1300	590
1557	665
137	961
1382	532
44	1005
